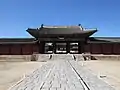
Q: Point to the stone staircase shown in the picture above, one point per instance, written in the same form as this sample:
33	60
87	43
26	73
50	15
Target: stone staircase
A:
43	57
62	57
51	57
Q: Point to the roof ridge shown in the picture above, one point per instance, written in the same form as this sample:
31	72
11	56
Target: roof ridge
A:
61	26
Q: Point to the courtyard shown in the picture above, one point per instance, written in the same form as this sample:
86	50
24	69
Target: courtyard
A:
105	70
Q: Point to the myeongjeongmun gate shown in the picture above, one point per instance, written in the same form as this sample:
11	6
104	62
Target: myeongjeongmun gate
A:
60	40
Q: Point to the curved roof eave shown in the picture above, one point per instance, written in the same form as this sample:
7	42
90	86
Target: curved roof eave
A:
89	32
39	33
33	32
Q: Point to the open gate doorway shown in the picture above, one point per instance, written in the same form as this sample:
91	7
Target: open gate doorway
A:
61	47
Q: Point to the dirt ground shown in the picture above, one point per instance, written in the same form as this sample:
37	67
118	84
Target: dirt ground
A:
110	70
12	72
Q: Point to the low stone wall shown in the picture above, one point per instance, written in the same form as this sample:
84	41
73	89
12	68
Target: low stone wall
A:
105	57
15	58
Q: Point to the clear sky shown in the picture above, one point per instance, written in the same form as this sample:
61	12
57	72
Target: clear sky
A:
17	15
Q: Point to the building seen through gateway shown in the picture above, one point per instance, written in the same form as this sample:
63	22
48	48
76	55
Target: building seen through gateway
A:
60	40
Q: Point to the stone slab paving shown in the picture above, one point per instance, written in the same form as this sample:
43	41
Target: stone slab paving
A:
56	75
62	78
33	81
59	75
91	80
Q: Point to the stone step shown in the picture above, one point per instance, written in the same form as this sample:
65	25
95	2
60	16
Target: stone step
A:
62	57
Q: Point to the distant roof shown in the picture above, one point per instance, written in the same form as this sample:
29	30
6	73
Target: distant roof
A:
63	31
33	40
104	40
17	40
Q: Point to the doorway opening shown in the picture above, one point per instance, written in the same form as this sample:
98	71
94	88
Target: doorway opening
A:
61	47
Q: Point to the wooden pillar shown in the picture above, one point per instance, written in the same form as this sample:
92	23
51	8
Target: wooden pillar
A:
54	47
68	47
80	47
41	47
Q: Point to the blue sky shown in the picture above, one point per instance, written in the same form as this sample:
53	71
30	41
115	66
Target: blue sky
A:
17	15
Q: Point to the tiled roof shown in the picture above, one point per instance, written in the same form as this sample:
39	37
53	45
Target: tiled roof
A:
51	31
17	40
32	40
104	40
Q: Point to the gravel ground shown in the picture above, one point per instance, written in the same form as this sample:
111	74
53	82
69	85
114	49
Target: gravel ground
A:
108	70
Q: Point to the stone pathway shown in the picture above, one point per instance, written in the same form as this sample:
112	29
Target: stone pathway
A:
62	77
55	75
61	74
